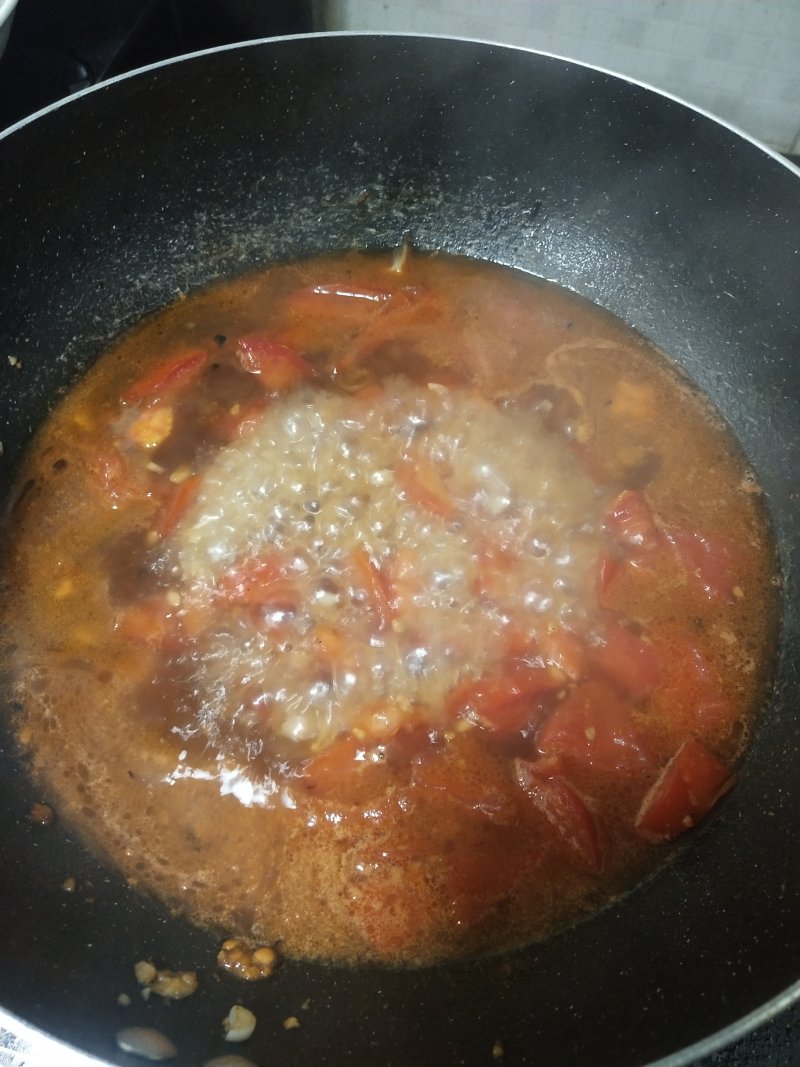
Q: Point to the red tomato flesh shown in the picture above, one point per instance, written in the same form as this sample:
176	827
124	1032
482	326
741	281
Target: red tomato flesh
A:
278	366
686	790
594	725
179	369
632	664
564	809
506	701
709	562
423	487
631	522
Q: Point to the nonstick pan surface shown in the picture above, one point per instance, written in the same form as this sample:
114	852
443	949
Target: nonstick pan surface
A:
150	186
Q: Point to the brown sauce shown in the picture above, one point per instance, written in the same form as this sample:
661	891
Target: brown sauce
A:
386	608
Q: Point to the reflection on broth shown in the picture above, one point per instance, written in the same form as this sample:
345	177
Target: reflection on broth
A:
386	608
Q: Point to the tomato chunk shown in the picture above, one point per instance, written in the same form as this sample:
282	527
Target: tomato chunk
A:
630	520
278	366
628	661
370	576
594	725
261	583
686	790
564	809
423	486
179	369
505	701
709	562
177	503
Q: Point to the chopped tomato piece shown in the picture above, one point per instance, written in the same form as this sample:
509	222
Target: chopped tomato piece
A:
630	520
423	486
564	650
686	790
628	661
259	582
506	701
709	561
608	570
180	368
594	725
278	366
564	809
177	503
370	576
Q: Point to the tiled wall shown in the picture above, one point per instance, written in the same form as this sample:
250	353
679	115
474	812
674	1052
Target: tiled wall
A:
739	59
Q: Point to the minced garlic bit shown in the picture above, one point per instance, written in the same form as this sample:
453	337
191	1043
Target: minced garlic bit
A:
145	1042
249	962
172	985
239	1023
291	1023
152	427
498	1050
181	474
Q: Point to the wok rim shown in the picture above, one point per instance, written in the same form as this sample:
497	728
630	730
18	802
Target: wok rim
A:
401	35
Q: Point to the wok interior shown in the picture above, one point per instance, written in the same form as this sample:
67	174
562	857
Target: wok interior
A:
208	167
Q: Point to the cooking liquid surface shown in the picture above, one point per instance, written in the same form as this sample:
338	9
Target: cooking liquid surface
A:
386	607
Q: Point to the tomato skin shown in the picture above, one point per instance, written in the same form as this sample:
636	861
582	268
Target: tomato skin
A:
178	369
685	791
277	366
631	522
423	487
177	503
594	726
370	576
565	651
709	560
563	807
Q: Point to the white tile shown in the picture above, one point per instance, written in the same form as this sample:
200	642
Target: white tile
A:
736	57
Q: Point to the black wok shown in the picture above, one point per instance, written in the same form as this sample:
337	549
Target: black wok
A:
115	203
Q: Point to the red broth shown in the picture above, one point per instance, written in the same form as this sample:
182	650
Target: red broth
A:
387	608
